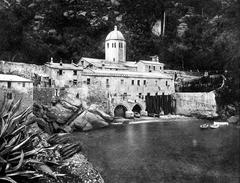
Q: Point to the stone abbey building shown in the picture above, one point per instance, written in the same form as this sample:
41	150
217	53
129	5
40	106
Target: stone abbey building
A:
124	84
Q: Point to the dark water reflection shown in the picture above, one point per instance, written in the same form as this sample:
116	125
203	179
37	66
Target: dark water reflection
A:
164	152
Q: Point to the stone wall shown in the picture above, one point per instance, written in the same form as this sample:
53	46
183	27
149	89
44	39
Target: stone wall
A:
22	69
43	95
202	104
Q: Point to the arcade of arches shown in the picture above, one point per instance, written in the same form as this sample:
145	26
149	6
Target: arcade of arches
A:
120	110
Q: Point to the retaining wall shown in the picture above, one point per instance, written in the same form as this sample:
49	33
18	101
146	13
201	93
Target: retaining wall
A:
198	103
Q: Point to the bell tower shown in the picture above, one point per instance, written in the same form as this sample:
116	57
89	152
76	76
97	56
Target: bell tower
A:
115	47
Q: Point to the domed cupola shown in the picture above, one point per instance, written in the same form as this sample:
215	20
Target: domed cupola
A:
115	47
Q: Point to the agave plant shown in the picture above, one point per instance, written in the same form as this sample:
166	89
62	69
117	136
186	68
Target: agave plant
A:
16	145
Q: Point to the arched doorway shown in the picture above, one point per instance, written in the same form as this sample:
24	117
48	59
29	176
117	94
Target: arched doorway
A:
137	108
119	111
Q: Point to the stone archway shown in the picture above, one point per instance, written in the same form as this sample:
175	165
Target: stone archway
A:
137	108
119	111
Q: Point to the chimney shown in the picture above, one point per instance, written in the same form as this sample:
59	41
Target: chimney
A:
51	60
155	58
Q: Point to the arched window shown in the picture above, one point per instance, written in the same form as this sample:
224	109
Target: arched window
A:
120	45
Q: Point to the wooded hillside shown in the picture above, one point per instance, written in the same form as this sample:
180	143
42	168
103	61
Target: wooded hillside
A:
199	34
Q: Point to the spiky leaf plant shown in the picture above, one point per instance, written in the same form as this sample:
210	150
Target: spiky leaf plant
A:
16	145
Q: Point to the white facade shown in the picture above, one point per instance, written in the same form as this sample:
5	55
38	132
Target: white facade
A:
14	87
115	47
127	88
62	74
150	66
15	82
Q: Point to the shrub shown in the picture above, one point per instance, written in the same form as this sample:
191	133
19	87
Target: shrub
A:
17	146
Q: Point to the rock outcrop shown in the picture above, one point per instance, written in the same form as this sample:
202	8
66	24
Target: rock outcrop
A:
64	116
233	119
89	120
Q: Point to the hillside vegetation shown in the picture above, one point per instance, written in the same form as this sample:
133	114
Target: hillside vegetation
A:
198	34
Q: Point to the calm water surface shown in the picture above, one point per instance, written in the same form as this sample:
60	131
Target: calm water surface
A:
164	152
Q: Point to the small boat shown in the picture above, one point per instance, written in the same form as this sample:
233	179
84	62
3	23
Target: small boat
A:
204	126
220	123
214	126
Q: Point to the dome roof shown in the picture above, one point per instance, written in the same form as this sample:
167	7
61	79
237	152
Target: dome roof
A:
115	35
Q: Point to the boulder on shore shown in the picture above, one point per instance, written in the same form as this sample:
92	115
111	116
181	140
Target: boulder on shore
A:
233	119
66	117
89	120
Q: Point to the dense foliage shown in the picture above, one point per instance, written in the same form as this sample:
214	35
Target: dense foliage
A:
199	34
26	153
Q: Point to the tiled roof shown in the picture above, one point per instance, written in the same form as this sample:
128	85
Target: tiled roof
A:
151	62
130	64
127	74
64	66
100	62
9	77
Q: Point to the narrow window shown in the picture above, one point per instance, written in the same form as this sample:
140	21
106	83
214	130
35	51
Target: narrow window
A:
149	67
120	45
122	81
88	81
132	82
154	68
144	82
166	83
9	96
112	45
124	96
75	82
114	59
9	84
23	84
60	72
107	83
74	72
107	45
138	82
82	62
160	68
